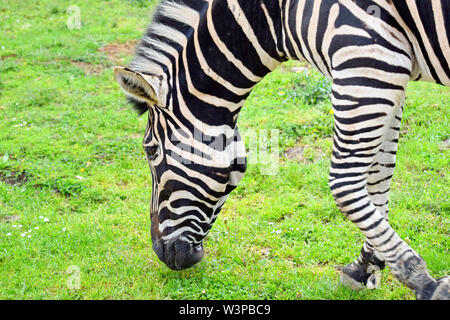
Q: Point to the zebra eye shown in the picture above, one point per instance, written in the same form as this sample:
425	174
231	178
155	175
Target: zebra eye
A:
151	151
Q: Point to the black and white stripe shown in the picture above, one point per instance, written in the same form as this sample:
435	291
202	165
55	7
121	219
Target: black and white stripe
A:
198	62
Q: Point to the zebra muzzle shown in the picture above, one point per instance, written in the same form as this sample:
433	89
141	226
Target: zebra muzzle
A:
178	254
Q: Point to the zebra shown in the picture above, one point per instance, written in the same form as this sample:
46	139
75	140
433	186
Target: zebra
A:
199	60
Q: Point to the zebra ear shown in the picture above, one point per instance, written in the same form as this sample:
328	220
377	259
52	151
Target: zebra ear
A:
142	87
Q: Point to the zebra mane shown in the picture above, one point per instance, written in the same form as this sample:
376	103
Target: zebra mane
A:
165	31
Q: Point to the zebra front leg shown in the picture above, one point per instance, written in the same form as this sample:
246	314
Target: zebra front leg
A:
361	131
365	271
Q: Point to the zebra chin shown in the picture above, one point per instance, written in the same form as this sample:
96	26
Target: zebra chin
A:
178	254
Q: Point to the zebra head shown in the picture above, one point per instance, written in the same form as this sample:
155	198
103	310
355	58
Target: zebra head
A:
193	86
194	166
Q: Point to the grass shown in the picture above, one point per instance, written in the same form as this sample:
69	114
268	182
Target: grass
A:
70	151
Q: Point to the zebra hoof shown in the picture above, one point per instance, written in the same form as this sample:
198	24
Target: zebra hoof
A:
349	282
374	280
436	290
358	276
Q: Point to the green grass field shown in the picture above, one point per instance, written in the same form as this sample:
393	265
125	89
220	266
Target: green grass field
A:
75	185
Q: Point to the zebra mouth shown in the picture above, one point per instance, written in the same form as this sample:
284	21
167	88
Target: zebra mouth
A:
178	254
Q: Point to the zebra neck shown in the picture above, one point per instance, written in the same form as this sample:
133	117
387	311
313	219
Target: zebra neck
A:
214	52
236	42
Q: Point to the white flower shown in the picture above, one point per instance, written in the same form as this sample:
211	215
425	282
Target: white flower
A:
46	220
278	232
36	228
22	235
8	234
29	236
41	217
20	226
29	230
63	229
14	225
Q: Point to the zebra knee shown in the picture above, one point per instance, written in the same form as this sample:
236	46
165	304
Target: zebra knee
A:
350	195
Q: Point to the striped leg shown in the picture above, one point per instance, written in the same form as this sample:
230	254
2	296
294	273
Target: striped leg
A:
365	270
362	133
